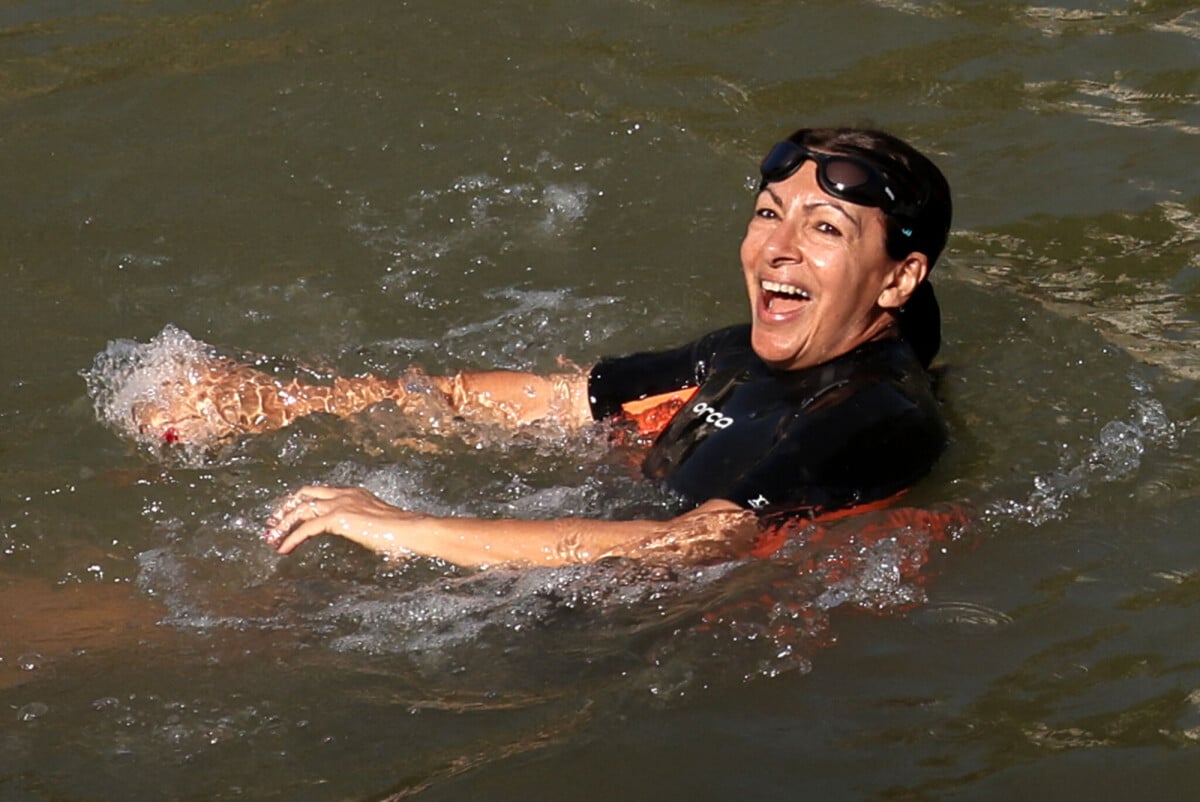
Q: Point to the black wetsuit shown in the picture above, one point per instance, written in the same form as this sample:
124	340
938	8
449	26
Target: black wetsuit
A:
858	428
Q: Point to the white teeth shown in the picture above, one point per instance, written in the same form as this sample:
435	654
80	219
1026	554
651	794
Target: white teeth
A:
784	289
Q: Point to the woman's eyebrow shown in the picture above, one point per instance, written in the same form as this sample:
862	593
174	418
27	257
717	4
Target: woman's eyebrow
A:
774	197
814	204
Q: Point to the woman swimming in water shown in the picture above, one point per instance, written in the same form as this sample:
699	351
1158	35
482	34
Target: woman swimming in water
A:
820	403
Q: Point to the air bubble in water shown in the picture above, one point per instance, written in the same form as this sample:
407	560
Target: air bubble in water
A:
29	662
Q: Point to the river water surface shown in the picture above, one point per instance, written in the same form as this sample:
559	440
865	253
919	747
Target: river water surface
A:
347	187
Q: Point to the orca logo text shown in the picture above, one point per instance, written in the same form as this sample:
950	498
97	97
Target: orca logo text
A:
713	416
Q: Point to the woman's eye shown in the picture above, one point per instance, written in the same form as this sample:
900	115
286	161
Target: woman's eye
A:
765	213
828	228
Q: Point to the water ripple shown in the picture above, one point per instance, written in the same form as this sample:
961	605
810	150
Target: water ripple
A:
1111	103
964	615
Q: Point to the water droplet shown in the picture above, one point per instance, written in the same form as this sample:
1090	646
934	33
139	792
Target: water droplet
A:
31	661
32	711
106	703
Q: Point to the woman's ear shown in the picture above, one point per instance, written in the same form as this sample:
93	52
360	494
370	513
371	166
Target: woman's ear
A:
902	280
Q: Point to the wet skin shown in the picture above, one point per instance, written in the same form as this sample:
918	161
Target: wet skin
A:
820	283
829	282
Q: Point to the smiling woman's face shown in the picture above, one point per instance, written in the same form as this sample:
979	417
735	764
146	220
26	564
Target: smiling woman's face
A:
818	276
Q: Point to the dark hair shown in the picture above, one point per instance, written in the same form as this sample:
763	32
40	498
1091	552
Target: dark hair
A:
925	232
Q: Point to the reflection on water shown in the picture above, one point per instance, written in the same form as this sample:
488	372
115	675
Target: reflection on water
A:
363	188
1134	274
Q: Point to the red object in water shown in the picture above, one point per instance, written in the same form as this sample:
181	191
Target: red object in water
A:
171	435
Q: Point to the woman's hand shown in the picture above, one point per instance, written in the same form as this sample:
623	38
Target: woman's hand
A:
210	402
348	512
220	400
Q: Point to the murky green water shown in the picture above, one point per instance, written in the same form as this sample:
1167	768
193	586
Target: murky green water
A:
364	186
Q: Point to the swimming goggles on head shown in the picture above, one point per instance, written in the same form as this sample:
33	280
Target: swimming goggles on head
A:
847	178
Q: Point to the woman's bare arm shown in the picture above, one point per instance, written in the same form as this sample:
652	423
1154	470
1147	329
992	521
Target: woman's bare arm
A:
223	399
717	529
514	398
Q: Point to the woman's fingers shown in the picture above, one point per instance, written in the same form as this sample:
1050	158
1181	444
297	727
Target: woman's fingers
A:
301	506
288	543
348	512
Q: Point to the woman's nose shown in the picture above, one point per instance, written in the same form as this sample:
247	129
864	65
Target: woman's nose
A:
783	247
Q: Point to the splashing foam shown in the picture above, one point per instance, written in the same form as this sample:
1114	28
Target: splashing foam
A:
1115	455
128	377
668	627
682	614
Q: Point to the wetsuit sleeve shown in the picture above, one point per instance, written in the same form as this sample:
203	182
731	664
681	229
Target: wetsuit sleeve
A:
616	380
866	447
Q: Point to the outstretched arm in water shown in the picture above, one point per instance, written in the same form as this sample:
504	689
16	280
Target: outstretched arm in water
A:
222	399
716	530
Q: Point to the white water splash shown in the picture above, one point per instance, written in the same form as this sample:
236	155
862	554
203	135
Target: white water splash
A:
1114	455
127	375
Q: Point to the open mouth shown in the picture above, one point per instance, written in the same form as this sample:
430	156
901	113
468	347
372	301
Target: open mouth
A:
780	299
